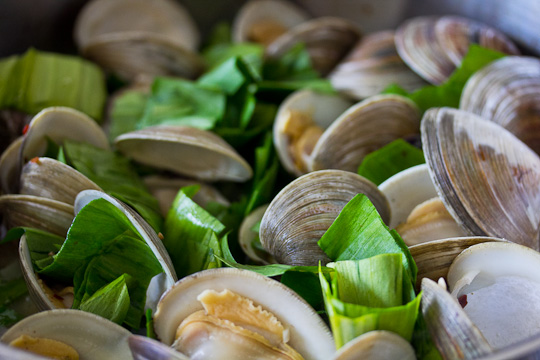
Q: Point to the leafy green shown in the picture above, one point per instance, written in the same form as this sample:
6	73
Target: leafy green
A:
38	79
111	301
389	160
12	290
182	102
449	93
192	235
307	285
365	295
101	246
359	233
127	108
150	325
9	317
116	176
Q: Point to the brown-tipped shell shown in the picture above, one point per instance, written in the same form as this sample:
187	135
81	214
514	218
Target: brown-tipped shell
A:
302	212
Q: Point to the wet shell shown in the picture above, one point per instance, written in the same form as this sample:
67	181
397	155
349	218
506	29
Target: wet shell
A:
9	168
487	178
307	332
376	345
363	128
187	151
92	336
507	92
302	212
371	66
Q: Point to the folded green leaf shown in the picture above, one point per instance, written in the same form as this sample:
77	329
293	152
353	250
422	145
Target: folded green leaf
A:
389	160
449	93
183	102
111	301
127	109
191	235
359	233
116	176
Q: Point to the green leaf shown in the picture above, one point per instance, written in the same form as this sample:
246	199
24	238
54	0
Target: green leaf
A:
150	325
359	233
307	285
116	176
230	76
9	317
12	290
102	245
111	301
449	93
127	109
191	235
389	160
252	54
183	102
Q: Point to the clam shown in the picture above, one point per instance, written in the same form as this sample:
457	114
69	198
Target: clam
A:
144	348
51	179
507	92
302	211
263	21
9	167
43	294
486	177
376	345
302	110
371	66
164	189
37	212
91	336
229	313
434	46
187	151
161	42
247	236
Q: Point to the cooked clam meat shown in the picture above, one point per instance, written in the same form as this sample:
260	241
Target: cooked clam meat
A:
47	347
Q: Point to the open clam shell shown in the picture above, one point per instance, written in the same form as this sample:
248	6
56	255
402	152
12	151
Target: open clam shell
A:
308	334
9	167
274	16
92	336
363	128
327	41
434	46
144	348
37	212
487	178
187	151
376	345
246	236
302	212
49	178
507	92
371	66
320	109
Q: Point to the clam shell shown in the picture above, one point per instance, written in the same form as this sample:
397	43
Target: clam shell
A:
309	335
376	345
322	108
507	92
246	236
327	41
302	212
92	336
9	167
51	179
37	212
363	128
187	151
144	348
487	178
283	13
371	66
168	19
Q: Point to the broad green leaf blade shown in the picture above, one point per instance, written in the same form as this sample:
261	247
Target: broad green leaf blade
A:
359	233
389	160
307	285
116	176
127	110
191	235
111	301
230	76
12	290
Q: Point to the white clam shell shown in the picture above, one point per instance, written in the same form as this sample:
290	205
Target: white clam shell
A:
376	345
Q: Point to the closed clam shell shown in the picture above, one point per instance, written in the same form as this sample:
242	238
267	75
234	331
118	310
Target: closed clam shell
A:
187	151
92	336
308	334
371	66
507	91
376	345
327	40
487	178
37	212
322	109
283	13
363	128
49	178
302	212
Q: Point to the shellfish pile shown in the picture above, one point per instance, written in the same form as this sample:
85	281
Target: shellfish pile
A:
250	150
